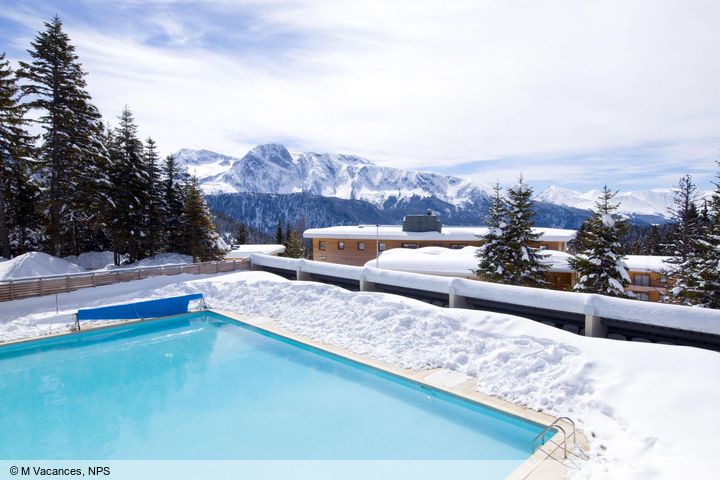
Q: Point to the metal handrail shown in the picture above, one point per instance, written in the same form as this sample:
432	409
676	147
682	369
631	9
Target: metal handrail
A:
553	426
574	429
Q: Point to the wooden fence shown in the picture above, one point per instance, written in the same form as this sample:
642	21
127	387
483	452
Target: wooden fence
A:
37	286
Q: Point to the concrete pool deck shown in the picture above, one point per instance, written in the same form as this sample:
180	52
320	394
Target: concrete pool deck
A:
546	463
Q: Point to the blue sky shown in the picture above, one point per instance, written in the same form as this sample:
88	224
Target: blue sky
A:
569	93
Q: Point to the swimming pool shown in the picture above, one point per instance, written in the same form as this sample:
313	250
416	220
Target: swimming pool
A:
201	386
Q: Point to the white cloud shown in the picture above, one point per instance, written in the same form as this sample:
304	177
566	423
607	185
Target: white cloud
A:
421	83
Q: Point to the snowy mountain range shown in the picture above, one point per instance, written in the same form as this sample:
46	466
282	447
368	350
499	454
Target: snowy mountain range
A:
273	169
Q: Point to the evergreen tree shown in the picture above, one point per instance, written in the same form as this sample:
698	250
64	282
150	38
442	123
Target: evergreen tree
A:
130	196
241	235
174	201
155	208
279	240
72	157
653	244
18	194
294	245
694	266
202	240
493	254
599	261
525	264
687	217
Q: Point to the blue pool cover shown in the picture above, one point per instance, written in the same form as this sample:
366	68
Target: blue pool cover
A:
162	307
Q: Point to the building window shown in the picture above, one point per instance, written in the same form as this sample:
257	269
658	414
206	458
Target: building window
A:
642	296
457	246
322	245
361	246
641	280
381	246
409	245
341	245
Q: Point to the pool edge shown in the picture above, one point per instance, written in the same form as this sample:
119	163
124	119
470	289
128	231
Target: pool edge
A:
546	462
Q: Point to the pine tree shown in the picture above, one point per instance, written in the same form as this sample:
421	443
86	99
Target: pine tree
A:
241	235
202	240
687	217
18	194
493	254
599	261
653	244
155	208
174	201
72	156
525	264
691	268
708	269
129	194
279	240
293	245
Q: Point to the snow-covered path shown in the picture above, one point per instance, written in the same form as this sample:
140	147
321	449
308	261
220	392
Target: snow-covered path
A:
650	411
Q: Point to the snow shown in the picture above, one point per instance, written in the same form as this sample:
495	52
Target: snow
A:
656	201
36	264
646	263
244	251
703	320
273	169
395	232
649	411
451	262
161	259
93	260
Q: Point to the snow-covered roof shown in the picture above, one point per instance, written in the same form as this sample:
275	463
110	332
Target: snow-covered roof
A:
244	251
395	232
646	263
449	262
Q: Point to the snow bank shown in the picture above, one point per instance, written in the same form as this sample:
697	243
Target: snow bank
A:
36	264
674	316
331	269
161	259
93	260
650	411
244	251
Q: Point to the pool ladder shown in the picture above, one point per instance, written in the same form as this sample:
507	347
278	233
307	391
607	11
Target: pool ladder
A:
555	425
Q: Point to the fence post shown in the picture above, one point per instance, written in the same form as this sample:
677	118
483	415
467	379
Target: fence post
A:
455	300
366	286
217	267
299	274
593	323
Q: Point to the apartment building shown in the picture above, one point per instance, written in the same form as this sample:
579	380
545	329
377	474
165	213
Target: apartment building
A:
356	245
647	278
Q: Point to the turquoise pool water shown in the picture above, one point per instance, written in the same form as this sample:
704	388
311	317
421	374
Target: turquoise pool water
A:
201	386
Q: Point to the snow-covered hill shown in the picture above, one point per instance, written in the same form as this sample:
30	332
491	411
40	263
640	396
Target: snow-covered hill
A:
643	202
203	163
273	169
